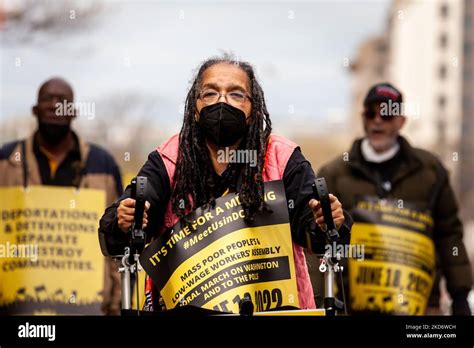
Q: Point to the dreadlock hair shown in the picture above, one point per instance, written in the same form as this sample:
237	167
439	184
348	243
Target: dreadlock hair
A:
194	183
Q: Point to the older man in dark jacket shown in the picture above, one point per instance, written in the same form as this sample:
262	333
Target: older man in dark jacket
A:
384	165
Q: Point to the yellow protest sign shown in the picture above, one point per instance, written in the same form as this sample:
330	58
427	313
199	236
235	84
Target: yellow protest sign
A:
50	260
213	258
397	271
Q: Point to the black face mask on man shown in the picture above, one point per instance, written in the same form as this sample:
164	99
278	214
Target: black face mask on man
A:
53	133
222	124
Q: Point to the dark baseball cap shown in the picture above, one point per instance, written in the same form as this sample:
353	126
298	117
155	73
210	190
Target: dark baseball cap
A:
383	92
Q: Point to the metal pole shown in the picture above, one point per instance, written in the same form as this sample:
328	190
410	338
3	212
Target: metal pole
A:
329	281
329	266
125	273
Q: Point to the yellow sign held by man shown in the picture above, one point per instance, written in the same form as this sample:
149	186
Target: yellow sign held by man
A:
50	261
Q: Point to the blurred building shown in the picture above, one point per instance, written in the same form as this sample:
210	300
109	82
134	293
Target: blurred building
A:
368	68
425	55
466	188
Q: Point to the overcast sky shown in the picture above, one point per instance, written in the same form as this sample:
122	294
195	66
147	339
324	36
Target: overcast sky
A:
152	48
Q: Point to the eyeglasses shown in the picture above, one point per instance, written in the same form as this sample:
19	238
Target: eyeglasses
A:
371	114
235	98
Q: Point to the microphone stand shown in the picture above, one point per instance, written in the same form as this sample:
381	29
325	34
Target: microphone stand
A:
130	259
330	261
329	266
126	270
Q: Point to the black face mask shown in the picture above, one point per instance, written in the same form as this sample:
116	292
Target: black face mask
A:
52	133
222	124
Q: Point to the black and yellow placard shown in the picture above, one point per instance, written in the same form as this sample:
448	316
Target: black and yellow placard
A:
397	271
214	258
50	261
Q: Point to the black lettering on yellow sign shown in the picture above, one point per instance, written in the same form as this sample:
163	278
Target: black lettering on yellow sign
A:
397	271
62	239
62	272
369	275
49	214
263	300
218	256
242	273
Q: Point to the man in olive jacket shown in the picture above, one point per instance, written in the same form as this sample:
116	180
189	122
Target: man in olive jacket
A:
384	165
